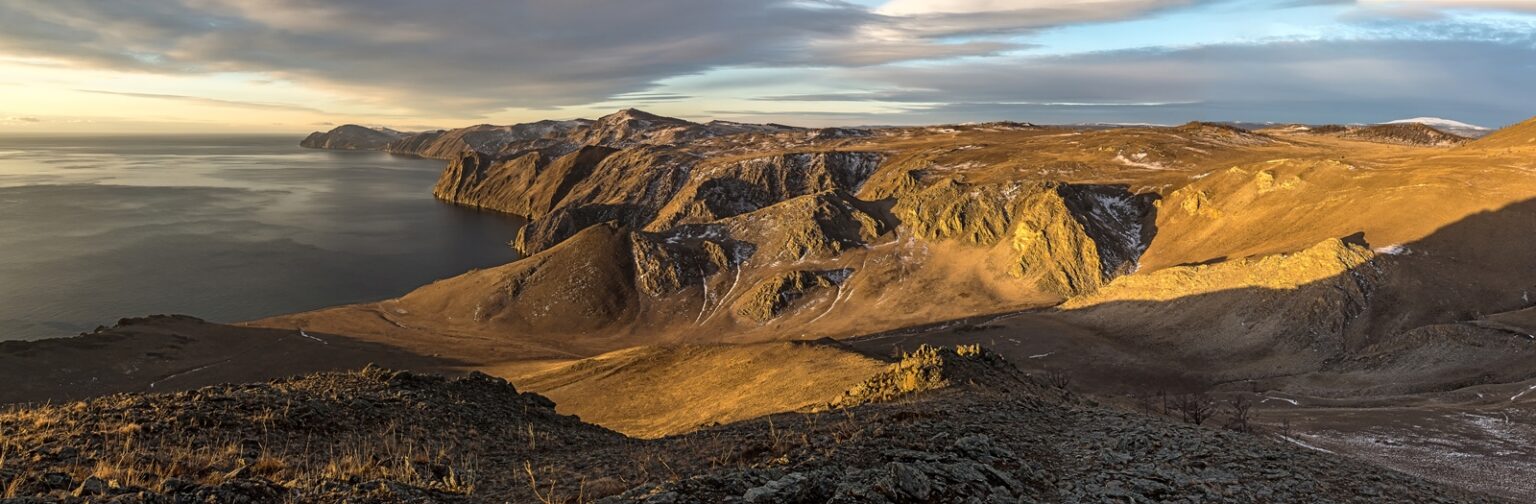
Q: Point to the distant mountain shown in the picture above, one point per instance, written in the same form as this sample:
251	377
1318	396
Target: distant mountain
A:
625	128
488	138
352	137
1397	132
1446	125
1407	133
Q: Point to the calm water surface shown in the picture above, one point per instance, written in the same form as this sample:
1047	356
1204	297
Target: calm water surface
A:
227	228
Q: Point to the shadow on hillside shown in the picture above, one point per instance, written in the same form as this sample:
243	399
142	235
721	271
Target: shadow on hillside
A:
173	353
1396	324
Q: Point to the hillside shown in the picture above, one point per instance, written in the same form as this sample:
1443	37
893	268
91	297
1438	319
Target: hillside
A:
651	392
676	272
1447	125
625	128
385	436
1517	136
1411	133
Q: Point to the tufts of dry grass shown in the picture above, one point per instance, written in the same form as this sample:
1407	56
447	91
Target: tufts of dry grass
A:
399	435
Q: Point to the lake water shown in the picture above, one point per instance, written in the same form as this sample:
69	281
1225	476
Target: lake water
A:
227	228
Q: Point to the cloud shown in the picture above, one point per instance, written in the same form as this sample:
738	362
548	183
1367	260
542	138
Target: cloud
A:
476	56
973	17
649	97
1506	5
15	120
1322	80
1431	10
206	101
931	59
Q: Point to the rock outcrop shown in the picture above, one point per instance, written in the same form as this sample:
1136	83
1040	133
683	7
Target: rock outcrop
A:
664	265
721	190
1065	239
813	226
932	368
772	296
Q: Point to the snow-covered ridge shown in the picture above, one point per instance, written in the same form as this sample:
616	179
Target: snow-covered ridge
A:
1446	125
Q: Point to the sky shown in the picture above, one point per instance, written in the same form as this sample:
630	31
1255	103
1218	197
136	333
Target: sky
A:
290	66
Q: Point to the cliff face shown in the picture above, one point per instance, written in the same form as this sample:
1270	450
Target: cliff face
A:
771	296
722	190
758	226
1065	239
530	185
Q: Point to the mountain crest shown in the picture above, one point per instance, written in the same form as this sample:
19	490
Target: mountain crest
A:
634	114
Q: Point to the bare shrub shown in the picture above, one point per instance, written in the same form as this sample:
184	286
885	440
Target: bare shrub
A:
1194	408
1239	412
1056	378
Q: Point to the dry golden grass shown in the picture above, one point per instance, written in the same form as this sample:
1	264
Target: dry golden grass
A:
125	459
379	433
651	392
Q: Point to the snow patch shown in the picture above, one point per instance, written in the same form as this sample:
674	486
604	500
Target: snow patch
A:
1523	393
1304	444
1282	399
1441	122
306	335
1120	158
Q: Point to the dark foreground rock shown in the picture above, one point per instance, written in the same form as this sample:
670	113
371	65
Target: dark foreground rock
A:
940	426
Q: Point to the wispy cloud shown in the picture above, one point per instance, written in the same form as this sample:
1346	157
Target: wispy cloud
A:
415	61
205	101
479	55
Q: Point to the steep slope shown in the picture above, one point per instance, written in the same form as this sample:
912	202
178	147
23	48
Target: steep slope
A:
1516	136
719	190
586	283
530	185
575	299
628	187
1064	239
814	226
